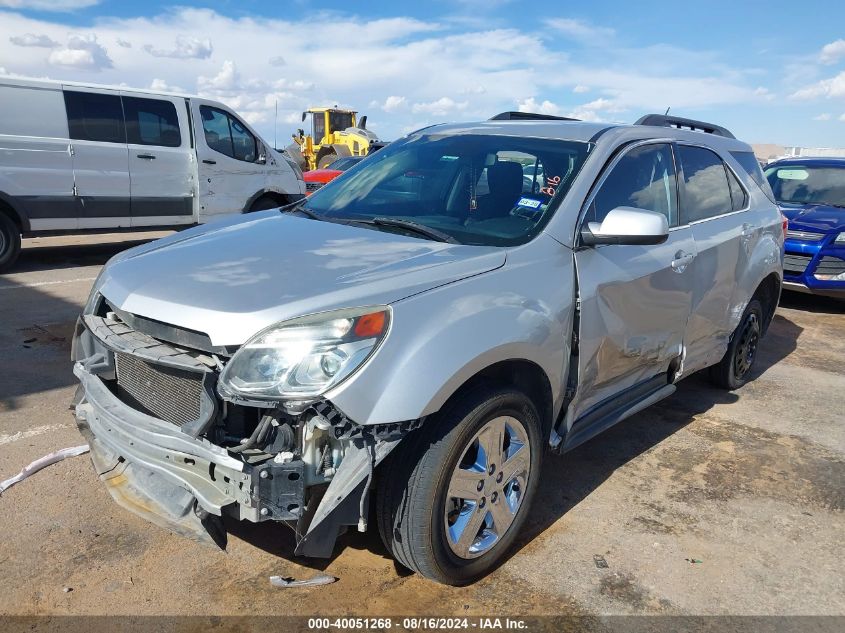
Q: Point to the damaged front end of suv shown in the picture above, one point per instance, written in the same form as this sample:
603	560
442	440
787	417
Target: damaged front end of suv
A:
183	432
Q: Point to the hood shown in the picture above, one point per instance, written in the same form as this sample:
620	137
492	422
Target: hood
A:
321	175
233	279
820	218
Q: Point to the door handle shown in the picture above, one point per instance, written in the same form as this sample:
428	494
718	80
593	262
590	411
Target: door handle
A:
209	162
147	156
681	261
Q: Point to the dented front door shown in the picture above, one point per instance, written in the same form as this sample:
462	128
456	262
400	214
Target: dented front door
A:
635	302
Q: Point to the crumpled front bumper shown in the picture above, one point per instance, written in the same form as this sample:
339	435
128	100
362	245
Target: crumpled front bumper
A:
156	471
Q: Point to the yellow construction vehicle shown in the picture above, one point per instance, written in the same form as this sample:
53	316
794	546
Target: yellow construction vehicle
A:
335	132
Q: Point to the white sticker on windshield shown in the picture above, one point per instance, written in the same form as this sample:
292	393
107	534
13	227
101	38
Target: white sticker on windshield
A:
793	174
529	202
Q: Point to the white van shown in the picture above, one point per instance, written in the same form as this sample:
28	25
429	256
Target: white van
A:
79	157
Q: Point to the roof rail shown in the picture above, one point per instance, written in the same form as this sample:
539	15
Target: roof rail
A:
529	116
662	120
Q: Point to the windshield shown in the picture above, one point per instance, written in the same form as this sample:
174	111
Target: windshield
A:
808	184
476	189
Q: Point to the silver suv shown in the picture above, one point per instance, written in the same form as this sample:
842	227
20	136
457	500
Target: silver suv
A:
404	344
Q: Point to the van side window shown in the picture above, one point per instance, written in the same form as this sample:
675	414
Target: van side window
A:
95	117
151	122
644	178
225	134
706	192
738	195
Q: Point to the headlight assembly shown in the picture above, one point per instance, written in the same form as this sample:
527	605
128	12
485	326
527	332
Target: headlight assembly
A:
840	239
304	357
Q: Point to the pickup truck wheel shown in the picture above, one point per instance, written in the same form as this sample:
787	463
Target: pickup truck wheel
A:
10	242
456	492
734	369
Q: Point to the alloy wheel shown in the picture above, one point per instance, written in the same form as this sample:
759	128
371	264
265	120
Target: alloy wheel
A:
487	487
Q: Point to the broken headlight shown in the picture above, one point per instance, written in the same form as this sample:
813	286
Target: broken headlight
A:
305	356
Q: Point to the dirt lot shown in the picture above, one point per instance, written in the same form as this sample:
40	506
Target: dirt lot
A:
751	484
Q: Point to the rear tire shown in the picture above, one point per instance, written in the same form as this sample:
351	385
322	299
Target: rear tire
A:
450	539
735	367
10	242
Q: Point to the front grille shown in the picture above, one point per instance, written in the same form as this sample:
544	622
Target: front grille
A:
313	186
171	394
804	236
830	266
795	264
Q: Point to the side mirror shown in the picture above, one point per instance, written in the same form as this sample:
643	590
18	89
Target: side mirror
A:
627	225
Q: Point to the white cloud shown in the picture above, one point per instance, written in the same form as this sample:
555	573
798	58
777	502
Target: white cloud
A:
278	60
185	48
458	74
81	52
48	5
580	89
530	105
123	43
440	107
579	29
31	39
160	85
824	116
833	52
592	111
842	117
764	92
394	103
226	79
832	87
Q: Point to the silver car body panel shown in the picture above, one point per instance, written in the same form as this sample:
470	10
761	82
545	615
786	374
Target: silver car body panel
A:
641	316
232	280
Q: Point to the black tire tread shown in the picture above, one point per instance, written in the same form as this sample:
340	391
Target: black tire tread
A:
416	460
13	236
721	374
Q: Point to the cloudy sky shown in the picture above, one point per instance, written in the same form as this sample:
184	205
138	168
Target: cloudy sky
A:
770	73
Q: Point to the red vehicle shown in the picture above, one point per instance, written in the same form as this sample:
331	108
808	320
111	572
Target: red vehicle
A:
316	178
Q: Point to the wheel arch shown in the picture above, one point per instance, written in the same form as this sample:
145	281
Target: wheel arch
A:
9	208
278	196
768	294
520	373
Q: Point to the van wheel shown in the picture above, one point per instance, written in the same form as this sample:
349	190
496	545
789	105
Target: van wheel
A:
10	242
455	493
263	203
734	369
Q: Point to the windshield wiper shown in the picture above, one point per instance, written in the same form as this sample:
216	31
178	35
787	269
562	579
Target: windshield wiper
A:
299	207
414	227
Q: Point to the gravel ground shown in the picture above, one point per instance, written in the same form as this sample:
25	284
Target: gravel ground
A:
750	485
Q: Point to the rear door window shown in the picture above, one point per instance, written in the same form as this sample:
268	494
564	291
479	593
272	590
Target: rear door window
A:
644	178
706	192
739	197
95	117
151	122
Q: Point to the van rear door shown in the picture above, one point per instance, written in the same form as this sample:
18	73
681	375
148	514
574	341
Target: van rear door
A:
161	160
100	156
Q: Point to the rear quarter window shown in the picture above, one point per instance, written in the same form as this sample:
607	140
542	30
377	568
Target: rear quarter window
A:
748	161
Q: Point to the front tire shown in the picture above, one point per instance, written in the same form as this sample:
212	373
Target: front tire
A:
734	369
10	242
455	493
